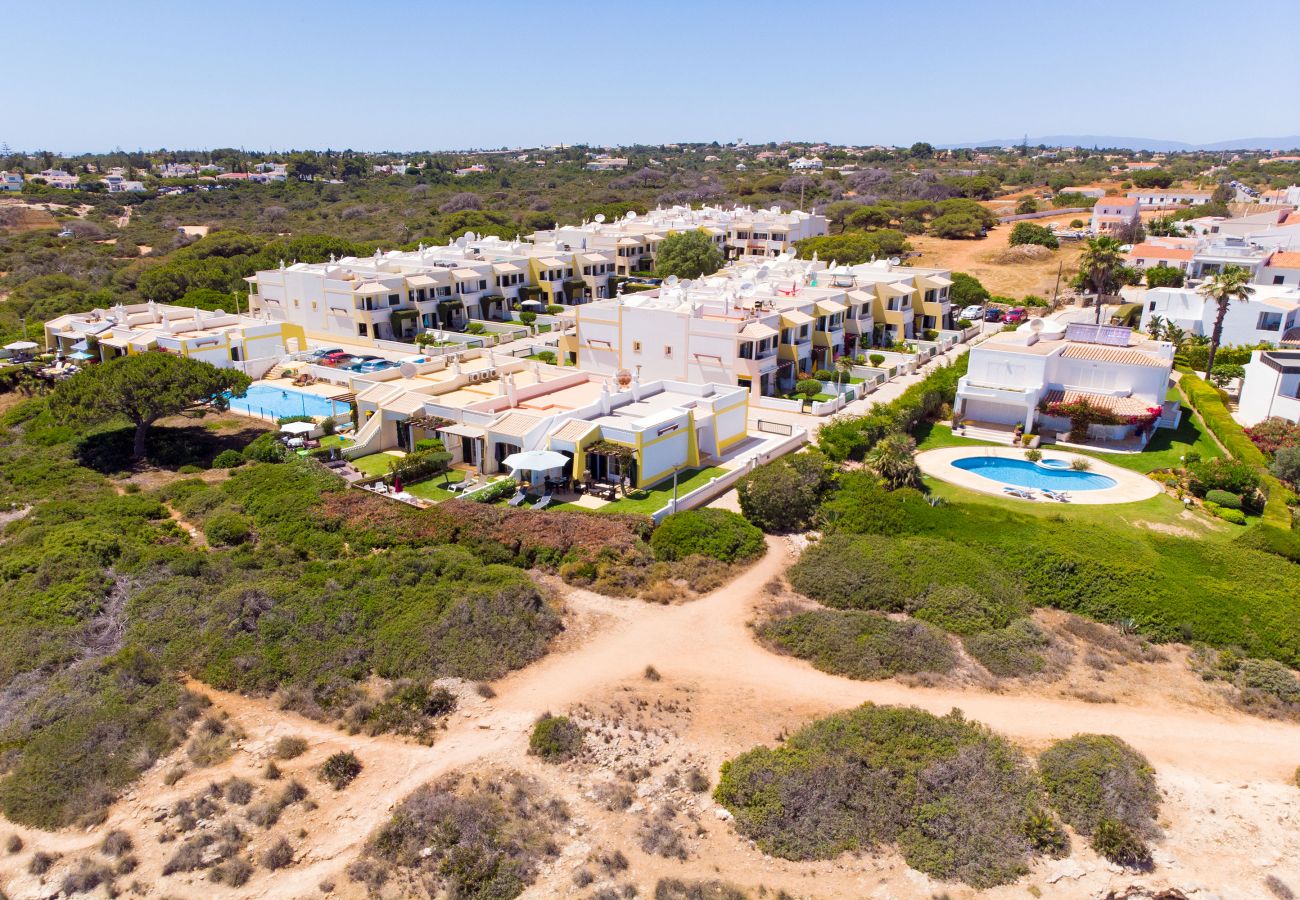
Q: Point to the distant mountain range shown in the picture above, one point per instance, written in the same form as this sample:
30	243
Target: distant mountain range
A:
1155	145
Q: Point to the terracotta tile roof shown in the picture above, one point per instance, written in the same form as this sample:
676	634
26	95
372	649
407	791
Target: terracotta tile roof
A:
1120	406
1117	201
514	425
1285	259
573	430
1155	251
1099	353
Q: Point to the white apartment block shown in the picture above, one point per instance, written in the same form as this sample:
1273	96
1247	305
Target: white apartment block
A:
1288	196
1271	388
1013	374
758	326
225	340
11	181
736	232
1264	318
396	295
1115	215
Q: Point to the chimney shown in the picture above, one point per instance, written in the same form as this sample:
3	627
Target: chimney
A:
511	395
604	398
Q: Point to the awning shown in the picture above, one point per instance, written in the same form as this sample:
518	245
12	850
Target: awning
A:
469	431
793	319
467	273
887	290
505	268
862	297
550	262
933	281
422	281
372	287
118	342
830	307
757	331
594	258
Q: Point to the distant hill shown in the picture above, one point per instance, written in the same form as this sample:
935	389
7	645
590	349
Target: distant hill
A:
1154	145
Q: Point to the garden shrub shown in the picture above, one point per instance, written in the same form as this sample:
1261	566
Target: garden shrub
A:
1274	434
1278	541
783	495
1223	498
861	645
1095	782
290	747
229	459
1235	516
1269	678
958	801
1011	652
340	769
1118	843
266	448
717	533
1286	465
1223	475
555	738
961	610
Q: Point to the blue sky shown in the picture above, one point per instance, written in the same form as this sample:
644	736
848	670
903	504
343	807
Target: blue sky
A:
433	75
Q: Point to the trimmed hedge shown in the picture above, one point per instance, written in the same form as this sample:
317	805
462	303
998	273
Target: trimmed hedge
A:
1207	401
717	533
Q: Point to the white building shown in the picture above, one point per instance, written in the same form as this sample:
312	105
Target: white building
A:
1263	318
806	164
1288	196
57	178
11	181
1271	388
225	340
396	295
1115	215
1014	376
1157	198
1281	268
606	163
1175	253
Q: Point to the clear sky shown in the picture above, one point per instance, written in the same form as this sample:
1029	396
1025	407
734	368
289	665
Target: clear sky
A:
403	75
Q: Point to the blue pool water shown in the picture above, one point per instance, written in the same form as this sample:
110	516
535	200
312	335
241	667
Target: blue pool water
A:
1025	474
274	403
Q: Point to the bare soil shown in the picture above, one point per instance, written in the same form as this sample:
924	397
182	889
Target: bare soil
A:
1230	814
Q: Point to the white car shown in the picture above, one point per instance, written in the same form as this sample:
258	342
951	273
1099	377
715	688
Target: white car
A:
973	313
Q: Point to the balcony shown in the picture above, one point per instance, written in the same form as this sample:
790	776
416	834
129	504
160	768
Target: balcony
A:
899	317
831	338
754	368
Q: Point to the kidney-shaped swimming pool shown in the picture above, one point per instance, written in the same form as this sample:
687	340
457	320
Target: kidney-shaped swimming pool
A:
1026	474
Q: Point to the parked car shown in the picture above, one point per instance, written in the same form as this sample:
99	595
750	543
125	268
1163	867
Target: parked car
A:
356	362
1016	316
322	352
375	365
971	313
334	358
993	314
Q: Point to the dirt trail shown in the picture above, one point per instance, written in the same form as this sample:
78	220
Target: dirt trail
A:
741	694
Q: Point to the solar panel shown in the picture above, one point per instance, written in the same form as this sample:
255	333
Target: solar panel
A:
1107	335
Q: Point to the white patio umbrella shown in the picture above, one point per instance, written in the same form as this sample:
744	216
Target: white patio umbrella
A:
535	460
20	346
531	303
298	427
81	354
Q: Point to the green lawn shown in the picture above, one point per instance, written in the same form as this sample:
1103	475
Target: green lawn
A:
374	464
336	440
930	436
432	489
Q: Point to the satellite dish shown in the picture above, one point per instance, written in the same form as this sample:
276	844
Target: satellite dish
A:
895	261
598	218
762	273
408	369
671	281
470	236
747	289
684	284
461	242
631	215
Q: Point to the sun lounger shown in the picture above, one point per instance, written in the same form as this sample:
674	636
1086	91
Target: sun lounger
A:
518	499
1059	496
1018	492
544	502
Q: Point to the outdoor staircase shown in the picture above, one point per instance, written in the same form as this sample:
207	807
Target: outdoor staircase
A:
275	371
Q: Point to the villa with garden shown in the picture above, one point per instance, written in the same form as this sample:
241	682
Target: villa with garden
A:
1073	383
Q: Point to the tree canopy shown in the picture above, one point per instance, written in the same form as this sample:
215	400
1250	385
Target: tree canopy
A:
690	254
143	389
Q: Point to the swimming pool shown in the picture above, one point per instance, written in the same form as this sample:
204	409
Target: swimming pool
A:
1052	475
270	402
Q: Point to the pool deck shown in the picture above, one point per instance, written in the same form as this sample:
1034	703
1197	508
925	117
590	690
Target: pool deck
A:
1129	486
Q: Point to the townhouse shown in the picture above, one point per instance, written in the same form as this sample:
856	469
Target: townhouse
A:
739	232
1115	216
1158	198
1280	268
485	408
1175	253
1013	378
11	181
759	326
225	340
1263	318
397	295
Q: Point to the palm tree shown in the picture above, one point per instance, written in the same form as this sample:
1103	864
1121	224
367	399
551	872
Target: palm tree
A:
1155	327
893	461
1101	257
1233	283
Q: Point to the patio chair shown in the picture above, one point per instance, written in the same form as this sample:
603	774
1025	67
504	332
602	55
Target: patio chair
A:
1059	496
518	499
544	502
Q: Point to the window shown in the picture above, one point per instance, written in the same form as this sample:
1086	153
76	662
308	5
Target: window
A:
482	284
1152	306
668	351
1270	321
361	328
636	346
393	299
1279	279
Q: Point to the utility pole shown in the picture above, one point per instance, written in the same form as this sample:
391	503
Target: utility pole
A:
1056	290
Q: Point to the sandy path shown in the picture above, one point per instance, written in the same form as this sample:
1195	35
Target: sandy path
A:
741	695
